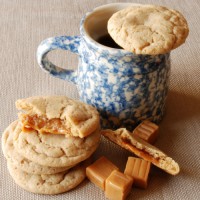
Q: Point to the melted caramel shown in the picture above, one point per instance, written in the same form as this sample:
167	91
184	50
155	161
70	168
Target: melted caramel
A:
44	125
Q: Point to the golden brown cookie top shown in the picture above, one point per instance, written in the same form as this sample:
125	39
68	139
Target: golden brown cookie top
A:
148	29
58	114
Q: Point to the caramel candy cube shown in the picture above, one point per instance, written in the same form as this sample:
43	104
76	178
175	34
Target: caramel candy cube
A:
147	131
99	171
118	185
139	170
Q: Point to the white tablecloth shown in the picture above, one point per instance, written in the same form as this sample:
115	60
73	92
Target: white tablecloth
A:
24	24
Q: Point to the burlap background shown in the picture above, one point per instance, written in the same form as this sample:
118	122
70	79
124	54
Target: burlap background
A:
25	23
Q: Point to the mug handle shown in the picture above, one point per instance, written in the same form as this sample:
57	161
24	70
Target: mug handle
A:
70	43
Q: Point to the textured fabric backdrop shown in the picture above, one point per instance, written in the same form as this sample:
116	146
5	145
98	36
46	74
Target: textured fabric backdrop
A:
25	23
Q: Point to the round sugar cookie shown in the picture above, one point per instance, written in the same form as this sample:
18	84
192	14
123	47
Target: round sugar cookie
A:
148	29
54	150
20	161
72	117
48	184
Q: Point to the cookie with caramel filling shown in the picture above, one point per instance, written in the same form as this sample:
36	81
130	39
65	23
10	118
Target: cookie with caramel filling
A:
142	149
58	115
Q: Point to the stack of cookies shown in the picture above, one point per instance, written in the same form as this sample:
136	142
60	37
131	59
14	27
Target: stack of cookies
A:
48	147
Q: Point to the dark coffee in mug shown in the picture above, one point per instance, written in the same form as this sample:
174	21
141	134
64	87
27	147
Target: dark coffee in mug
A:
106	40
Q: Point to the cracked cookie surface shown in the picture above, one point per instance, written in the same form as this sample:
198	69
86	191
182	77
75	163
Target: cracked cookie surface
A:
48	184
148	29
58	115
16	159
54	150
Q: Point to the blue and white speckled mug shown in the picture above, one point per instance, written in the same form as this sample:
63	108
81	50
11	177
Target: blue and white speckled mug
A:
124	87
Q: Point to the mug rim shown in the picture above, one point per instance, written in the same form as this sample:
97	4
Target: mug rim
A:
94	43
99	47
